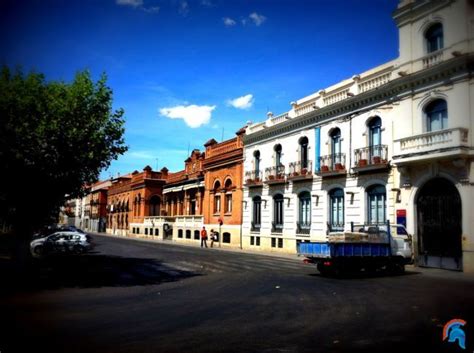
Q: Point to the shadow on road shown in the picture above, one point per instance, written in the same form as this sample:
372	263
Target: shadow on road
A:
87	271
363	274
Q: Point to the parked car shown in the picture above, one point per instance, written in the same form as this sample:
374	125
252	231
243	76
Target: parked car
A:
48	230
70	242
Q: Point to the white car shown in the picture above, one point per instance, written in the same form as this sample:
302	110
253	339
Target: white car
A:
61	242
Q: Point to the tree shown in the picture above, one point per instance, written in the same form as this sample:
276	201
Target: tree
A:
55	137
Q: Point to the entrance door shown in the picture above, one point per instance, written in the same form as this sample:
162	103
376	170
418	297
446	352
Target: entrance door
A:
439	225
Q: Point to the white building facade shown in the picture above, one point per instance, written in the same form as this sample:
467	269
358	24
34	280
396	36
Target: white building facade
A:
391	144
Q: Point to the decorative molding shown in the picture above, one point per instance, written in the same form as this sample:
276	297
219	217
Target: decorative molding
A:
456	68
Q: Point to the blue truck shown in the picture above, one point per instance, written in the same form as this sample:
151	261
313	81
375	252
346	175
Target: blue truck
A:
378	247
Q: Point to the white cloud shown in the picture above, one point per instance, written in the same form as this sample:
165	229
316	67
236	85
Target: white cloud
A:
207	3
229	22
244	102
138	4
257	19
193	115
142	154
184	8
151	9
132	3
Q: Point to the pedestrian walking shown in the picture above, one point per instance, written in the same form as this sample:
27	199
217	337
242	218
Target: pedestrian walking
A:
213	237
203	237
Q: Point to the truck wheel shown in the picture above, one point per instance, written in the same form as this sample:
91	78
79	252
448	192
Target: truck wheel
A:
322	270
396	267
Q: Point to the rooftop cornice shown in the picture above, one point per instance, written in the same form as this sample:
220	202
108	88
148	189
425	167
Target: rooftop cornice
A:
418	8
450	70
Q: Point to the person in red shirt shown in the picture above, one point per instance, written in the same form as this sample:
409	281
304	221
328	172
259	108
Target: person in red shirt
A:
204	237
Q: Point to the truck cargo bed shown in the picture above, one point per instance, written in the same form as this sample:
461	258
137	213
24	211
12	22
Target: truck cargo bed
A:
353	249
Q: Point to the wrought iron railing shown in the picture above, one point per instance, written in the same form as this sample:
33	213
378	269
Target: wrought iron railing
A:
333	162
300	168
277	227
275	173
253	177
255	227
371	155
303	228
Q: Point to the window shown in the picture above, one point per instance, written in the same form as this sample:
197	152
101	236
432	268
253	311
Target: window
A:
375	137
155	205
303	142
180	233
228	196
217	203
277	150
188	234
278	212
434	38
217	197
336	211
226	237
146	231
257	241
256	159
335	146
376	197
228	203
436	114
273	242
257	212
304	212
280	243
157	231
196	235
252	240
151	231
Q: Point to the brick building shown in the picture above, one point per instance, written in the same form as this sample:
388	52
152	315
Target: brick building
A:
223	171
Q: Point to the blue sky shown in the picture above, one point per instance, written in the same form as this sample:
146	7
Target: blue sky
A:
188	71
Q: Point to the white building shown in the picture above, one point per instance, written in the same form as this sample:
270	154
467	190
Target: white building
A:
390	144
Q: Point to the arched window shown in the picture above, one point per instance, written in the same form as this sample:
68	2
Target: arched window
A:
304	218
188	234
228	196
436	114
376	198
335	146
180	233
155	204
217	197
375	137
196	235
336	210
226	237
256	212
277	213
256	159
303	142
434	38
277	150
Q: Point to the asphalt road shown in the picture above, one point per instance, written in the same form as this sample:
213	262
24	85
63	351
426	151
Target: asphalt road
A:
136	296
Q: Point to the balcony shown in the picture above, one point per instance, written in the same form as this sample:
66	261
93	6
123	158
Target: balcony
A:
253	178
275	175
303	228
255	227
332	165
446	143
277	227
372	158
300	171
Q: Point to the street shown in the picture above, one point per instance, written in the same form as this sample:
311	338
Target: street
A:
136	296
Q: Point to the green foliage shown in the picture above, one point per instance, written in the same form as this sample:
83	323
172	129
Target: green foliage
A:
54	138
